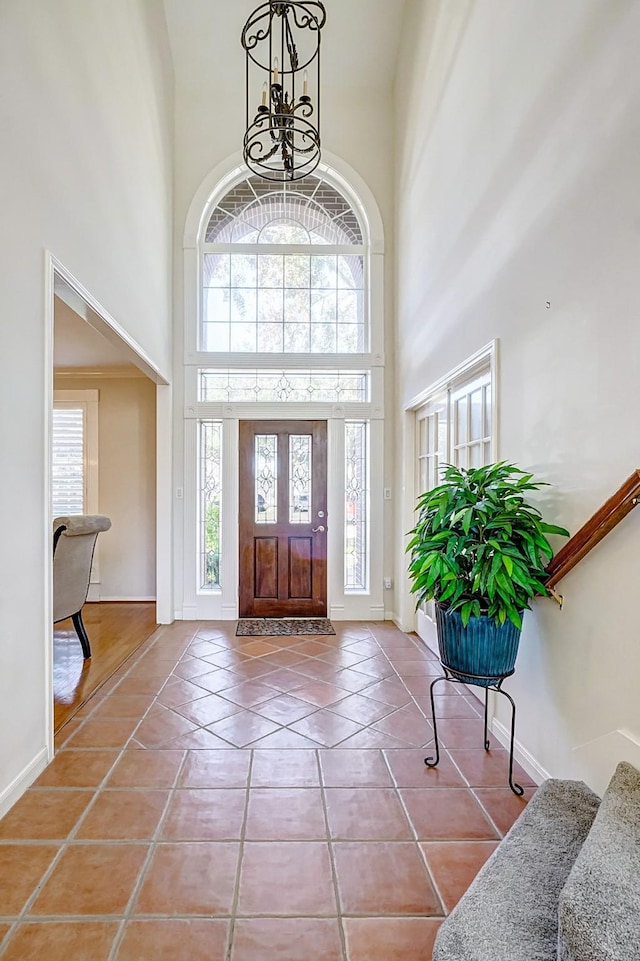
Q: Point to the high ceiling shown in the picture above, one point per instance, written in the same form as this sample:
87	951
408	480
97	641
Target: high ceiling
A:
359	42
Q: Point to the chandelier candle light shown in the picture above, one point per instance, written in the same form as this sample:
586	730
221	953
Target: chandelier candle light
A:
282	45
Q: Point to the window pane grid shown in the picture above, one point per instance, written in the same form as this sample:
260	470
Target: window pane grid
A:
210	503
283	386
356	546
300	303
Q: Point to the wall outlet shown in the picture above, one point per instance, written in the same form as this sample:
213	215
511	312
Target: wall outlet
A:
387	493
387	583
179	493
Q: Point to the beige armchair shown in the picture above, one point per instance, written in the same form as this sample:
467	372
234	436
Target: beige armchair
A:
74	541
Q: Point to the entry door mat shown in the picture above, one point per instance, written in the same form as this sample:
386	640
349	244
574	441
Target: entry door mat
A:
282	626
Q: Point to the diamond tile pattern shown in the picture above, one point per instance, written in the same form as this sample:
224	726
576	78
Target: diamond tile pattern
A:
233	798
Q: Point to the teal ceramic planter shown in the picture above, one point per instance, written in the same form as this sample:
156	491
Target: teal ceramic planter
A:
482	648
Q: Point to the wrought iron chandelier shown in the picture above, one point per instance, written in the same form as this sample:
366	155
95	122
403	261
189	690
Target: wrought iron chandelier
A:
282	45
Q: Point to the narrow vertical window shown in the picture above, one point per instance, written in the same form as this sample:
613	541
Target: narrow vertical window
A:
68	461
210	503
266	478
356	506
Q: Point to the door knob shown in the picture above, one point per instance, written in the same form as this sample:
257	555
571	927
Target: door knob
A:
317	530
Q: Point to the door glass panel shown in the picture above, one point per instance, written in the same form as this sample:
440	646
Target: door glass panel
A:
210	497
266	478
356	506
300	478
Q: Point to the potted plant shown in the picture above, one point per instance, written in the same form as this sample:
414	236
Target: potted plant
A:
479	550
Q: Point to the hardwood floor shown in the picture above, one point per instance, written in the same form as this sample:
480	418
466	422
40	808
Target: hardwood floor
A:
115	631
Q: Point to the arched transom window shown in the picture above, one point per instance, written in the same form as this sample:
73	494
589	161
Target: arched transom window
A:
283	271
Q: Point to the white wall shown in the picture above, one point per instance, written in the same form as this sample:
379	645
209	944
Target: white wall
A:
85	172
517	184
127	483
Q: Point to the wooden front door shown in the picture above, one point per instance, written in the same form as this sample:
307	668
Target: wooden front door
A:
283	518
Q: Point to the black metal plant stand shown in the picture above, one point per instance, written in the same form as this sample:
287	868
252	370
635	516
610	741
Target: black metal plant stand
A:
495	684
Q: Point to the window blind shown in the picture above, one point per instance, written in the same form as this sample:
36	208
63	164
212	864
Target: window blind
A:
68	482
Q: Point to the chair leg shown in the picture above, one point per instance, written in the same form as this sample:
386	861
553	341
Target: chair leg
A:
82	634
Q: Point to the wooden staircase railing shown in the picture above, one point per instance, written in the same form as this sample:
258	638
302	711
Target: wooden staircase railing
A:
591	533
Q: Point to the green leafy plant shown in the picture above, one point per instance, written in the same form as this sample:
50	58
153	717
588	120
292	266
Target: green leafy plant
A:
478	547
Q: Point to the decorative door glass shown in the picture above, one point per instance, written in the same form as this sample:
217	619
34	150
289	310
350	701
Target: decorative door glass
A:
266	478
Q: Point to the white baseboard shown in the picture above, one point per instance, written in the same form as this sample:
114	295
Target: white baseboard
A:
526	760
25	779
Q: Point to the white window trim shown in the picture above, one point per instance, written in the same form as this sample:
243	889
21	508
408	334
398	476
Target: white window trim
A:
89	401
439	392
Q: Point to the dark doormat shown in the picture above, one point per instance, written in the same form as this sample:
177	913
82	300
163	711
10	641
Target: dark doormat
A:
274	626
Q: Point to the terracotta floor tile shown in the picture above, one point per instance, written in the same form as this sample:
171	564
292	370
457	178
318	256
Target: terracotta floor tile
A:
258	648
361	709
488	768
248	693
364	645
454	865
284	709
200	740
313	648
205	814
352	682
447	705
354	769
189	879
502	805
290	768
60	941
390	939
366	814
123	816
390	691
315	669
284	738
417	667
21	867
44	814
104	732
91	879
3	930
216	769
407	724
461	732
370	738
409	770
174	940
285	680
376	667
178	692
140	685
253	668
285	814
320	693
162	725
446	814
285	658
326	728
77	769
384	877
64	735
226	658
201	648
217	680
288	878
206	710
286	939
189	668
342	658
124	705
150	769
243	728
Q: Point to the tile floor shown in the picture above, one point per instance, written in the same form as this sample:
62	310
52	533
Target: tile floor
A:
243	799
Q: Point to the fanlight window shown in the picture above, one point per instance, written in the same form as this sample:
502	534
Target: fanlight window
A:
283	271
